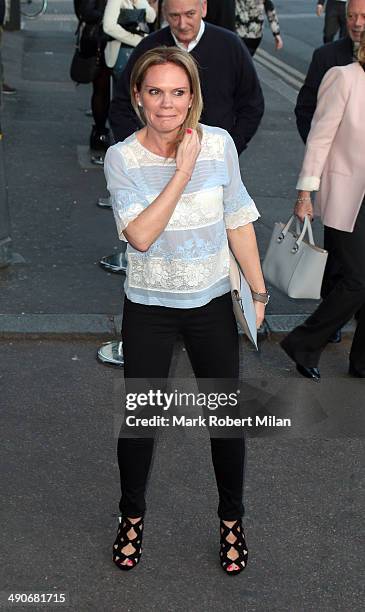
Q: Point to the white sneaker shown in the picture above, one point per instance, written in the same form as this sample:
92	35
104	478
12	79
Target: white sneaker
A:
98	159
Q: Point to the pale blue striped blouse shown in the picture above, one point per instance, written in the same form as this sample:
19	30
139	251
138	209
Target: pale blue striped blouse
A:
188	265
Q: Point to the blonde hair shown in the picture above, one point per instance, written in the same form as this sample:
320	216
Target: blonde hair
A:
170	55
361	50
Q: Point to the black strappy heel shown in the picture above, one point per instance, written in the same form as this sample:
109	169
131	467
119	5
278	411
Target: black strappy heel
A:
122	540
239	546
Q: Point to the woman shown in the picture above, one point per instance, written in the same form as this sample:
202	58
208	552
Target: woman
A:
334	164
250	22
91	12
177	195
121	36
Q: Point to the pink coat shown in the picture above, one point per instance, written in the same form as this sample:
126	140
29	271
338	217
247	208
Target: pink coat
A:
335	151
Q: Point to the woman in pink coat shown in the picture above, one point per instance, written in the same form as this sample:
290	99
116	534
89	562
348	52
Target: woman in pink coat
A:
334	166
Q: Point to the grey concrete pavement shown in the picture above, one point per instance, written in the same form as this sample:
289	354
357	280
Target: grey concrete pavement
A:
303	496
56	226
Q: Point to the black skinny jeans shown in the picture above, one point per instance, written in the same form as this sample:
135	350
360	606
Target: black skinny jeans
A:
100	99
210	336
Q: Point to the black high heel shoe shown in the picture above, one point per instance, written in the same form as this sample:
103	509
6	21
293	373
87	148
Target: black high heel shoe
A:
238	545
122	540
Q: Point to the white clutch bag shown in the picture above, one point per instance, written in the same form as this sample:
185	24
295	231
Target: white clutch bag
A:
293	265
243	306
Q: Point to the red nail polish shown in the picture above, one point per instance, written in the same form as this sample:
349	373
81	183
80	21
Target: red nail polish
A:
189	131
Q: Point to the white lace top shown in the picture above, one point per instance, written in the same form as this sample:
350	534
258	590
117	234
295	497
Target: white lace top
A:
188	265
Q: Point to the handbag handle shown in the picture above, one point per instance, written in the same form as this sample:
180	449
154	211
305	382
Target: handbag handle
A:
285	229
307	228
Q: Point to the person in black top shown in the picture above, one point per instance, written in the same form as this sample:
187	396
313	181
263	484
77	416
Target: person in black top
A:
338	53
231	90
91	12
334	20
222	13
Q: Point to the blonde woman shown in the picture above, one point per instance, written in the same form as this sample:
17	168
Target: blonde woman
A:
178	200
122	36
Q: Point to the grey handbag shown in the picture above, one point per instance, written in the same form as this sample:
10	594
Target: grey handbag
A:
292	264
243	306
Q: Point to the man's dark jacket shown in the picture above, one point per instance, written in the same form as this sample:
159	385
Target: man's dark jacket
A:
222	13
231	91
338	53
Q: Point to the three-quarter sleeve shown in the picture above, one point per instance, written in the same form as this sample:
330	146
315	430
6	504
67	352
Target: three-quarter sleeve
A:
128	199
239	207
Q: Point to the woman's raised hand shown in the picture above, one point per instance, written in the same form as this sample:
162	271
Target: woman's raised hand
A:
188	151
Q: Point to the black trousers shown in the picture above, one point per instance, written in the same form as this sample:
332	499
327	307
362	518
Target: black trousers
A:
100	99
252	44
334	20
211	340
306	342
333	271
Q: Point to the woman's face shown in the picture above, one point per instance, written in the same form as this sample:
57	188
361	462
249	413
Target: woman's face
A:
165	97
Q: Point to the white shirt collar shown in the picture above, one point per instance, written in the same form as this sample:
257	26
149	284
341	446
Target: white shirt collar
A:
193	43
355	48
